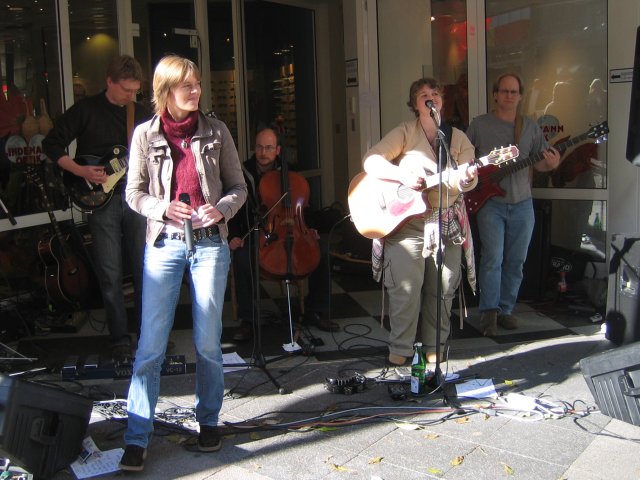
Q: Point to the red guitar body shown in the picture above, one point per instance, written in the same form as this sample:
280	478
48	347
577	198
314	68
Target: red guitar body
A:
487	188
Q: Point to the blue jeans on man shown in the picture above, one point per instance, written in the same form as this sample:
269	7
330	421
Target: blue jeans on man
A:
117	236
164	265
505	232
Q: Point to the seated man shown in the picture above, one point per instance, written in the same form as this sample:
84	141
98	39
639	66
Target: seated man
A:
265	159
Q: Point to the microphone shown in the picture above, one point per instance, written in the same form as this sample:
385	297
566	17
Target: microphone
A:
188	228
434	113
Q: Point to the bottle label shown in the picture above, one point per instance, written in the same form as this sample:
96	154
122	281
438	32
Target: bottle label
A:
417	383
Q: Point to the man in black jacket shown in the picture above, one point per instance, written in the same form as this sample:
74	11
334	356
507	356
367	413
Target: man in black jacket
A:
265	159
98	123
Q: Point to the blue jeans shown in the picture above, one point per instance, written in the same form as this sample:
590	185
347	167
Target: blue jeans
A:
164	265
117	236
505	232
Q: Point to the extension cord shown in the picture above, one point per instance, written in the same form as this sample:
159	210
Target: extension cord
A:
520	401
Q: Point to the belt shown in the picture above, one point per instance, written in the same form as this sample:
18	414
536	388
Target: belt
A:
198	234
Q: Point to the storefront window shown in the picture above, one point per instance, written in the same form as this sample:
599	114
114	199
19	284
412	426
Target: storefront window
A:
94	42
449	40
221	58
559	49
161	29
281	77
30	82
432	37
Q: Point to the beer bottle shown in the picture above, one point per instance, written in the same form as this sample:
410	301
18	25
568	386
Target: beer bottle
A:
418	368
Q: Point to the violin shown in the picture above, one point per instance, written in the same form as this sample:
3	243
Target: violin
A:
288	248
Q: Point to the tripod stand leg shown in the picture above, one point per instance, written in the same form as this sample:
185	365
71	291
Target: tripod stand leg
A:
260	362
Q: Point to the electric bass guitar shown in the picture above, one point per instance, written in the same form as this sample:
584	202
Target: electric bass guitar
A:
66	274
378	207
92	196
489	176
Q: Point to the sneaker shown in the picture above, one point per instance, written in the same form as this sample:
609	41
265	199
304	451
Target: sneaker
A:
508	321
209	439
133	458
243	332
488	323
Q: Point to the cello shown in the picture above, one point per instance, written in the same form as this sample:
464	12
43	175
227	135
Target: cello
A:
288	249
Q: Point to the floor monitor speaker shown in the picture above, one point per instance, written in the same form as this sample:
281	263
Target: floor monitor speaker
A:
613	377
41	427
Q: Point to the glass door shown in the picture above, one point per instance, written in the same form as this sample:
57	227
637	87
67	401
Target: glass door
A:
281	77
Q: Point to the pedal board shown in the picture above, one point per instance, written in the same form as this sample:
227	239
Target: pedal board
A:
94	367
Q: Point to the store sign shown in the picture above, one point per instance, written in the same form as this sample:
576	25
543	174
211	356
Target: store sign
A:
550	126
20	152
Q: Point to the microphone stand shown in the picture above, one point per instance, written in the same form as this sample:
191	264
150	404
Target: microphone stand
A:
443	151
7	212
258	359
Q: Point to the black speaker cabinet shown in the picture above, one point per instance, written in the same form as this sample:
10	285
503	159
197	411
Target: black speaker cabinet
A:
633	132
623	314
614	380
41	427
536	267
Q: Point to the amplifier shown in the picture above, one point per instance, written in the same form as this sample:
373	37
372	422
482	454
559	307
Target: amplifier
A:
614	380
623	297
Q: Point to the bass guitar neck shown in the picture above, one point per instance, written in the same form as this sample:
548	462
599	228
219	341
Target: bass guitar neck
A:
489	176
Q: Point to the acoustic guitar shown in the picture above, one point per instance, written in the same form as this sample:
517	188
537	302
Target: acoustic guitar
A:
66	274
92	196
489	176
379	207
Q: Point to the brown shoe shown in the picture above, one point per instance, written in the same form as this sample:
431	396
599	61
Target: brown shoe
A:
243	332
322	323
397	360
488	323
508	321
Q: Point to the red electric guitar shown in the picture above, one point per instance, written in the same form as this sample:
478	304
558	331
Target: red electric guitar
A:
489	176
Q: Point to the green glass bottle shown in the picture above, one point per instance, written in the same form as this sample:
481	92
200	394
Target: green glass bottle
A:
418	369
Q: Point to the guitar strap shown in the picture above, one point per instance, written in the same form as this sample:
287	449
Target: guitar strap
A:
448	135
517	133
131	110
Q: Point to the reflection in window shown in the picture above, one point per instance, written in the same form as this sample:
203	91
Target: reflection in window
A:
94	42
29	78
449	39
281	77
559	49
222	61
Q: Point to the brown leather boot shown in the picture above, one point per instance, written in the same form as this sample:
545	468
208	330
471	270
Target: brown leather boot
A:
489	323
508	321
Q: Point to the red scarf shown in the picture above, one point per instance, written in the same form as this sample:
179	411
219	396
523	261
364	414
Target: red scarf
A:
185	176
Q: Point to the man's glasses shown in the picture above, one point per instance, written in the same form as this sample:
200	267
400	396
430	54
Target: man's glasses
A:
508	92
265	148
129	91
